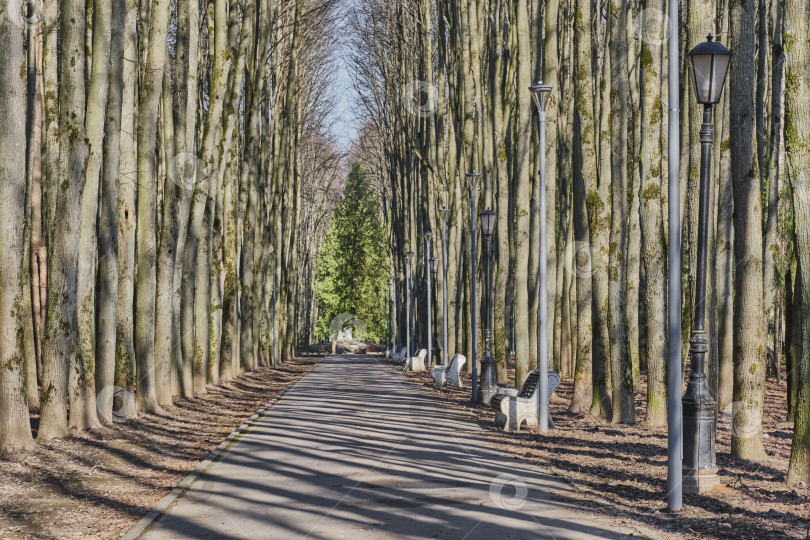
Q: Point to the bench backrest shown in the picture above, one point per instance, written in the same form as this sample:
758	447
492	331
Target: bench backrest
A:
530	384
422	353
456	363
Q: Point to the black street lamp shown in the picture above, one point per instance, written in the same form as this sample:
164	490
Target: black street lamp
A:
473	178
434	268
489	375
708	63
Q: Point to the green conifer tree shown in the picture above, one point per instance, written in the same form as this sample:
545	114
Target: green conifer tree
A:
351	273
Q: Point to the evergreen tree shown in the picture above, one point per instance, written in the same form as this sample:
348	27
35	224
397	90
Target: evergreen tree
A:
351	274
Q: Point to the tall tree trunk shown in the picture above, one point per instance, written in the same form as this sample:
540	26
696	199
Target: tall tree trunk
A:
146	245
108	219
165	250
797	130
125	369
749	325
584	161
186	170
621	368
83	414
653	251
15	429
522	194
36	248
598	191
195	338
61	346
725	271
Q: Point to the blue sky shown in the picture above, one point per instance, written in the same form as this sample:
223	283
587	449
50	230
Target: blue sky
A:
346	124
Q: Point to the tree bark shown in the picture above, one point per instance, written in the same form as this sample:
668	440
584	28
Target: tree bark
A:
15	429
149	376
125	369
61	346
653	251
584	164
797	130
749	325
108	219
83	414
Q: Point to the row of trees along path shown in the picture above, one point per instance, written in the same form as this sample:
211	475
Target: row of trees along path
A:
452	96
157	159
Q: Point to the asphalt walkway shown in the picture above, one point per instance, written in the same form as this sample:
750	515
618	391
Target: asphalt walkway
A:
355	450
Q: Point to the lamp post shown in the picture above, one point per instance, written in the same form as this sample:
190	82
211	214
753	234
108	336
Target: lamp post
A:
429	332
489	376
275	323
674	407
708	64
541	94
473	178
434	268
389	343
408	258
444	212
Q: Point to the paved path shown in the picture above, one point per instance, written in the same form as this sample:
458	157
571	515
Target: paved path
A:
356	451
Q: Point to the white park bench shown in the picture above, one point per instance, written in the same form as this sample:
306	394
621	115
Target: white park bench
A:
399	357
450	375
417	363
514	407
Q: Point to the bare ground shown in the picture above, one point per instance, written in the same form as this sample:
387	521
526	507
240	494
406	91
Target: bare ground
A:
99	484
621	470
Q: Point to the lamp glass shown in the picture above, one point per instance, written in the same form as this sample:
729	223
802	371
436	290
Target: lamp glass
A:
488	218
708	64
434	265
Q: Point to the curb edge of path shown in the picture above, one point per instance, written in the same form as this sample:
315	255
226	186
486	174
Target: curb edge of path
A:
146	522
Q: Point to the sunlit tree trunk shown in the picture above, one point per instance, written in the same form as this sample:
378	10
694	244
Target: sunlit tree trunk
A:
15	429
653	254
146	245
184	167
108	217
584	168
194	318
597	196
797	55
61	347
125	370
749	324
83	413
621	368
